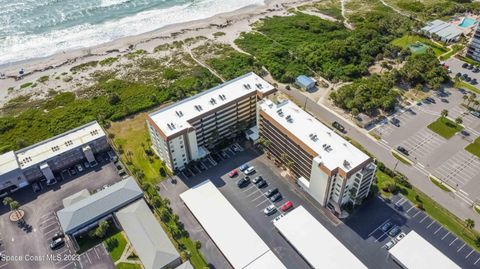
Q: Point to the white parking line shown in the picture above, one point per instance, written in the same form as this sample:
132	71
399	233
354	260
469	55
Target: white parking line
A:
469	254
409	209
461	247
96	253
254	192
249	188
476	261
260	196
437	230
424	218
453	241
68	264
259	204
445	235
431	224
378	227
44	228
4	265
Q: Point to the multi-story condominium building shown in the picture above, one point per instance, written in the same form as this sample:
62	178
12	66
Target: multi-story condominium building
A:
186	130
473	50
325	165
44	159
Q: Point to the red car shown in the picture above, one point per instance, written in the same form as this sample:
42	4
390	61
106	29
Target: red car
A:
233	173
285	207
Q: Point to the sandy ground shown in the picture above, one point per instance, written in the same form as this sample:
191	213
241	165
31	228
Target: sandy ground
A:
57	67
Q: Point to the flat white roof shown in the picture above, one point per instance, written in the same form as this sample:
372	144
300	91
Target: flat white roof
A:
339	153
178	114
238	242
59	144
314	242
8	162
415	252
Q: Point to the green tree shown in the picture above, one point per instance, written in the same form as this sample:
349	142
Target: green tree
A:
458	120
469	224
14	205
102	229
444	113
465	98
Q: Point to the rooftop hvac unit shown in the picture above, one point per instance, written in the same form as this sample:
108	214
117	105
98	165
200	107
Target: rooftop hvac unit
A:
169	127
346	163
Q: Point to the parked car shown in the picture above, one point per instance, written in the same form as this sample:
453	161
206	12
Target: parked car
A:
400	236
72	171
430	99
36	187
269	210
57	235
444	100
474	81
244	167
463	91
86	164
395	121
262	183
250	170
276	197
51	182
390	244
467	79
458	74
224	155
465	133
57	243
257	179
286	206
79	168
271	192
475	113
476	70
233	173
394	231
464	65
338	126
470	67
403	150
385	227
243	182
235	148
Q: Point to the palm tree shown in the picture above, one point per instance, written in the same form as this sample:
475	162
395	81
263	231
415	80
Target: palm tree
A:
476	103
14	205
458	120
469	224
471	98
444	113
465	98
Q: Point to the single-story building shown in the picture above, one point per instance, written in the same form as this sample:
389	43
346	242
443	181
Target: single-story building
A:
147	237
83	211
305	82
445	31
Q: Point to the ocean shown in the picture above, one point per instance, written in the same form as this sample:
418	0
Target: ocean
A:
40	28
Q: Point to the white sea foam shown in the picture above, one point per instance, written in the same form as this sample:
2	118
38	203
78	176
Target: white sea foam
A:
21	47
107	3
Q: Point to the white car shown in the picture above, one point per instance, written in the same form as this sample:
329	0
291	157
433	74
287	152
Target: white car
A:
390	244
270	210
79	168
250	170
400	236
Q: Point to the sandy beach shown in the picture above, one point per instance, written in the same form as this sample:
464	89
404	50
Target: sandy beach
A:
231	24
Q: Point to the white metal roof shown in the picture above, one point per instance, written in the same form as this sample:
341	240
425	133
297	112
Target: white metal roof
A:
8	162
148	238
314	242
417	253
178	114
238	242
59	144
315	135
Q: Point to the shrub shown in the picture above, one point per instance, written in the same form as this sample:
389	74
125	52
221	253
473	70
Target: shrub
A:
198	244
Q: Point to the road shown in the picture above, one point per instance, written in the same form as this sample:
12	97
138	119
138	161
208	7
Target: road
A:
418	176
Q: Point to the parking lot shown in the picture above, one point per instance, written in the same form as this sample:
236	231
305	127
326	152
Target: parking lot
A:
359	233
40	208
446	159
401	213
455	66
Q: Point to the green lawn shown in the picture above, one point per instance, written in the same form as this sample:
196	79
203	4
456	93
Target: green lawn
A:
124	265
115	245
474	147
407	40
132	137
445	127
85	242
467	86
455	48
434	210
401	158
440	185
